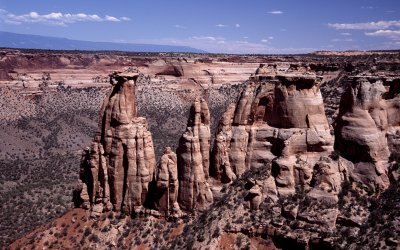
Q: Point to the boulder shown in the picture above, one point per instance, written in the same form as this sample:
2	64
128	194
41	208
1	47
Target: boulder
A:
254	196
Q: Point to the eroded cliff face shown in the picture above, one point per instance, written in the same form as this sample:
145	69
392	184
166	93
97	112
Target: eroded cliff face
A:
120	164
280	116
367	128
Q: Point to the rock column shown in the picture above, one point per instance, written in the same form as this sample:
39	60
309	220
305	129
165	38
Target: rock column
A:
193	160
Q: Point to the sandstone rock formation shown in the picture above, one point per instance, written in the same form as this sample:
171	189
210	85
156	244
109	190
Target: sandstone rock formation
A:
193	159
279	116
276	143
280	119
254	195
221	167
95	190
258	191
163	67
327	178
278	122
121	162
366	125
168	184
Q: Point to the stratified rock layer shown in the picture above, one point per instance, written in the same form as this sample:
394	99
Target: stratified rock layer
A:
121	161
193	160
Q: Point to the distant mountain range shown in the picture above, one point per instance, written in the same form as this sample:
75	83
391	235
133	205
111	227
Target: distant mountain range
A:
24	41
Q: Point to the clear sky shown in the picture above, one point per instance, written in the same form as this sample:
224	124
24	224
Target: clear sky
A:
226	26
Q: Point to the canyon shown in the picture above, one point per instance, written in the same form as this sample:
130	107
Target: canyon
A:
211	151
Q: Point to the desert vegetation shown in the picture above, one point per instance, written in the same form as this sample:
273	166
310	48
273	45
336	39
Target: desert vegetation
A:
42	139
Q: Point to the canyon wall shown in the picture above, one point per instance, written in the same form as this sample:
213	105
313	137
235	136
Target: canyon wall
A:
271	152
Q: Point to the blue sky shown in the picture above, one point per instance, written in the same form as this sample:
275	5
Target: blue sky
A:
218	26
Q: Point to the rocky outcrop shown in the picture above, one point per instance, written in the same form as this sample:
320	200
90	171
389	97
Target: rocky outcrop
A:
274	146
193	159
95	189
120	164
167	67
258	191
221	167
168	184
279	116
366	125
118	168
254	195
279	125
327	179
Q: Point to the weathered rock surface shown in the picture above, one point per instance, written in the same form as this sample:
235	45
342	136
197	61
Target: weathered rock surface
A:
168	184
120	163
254	194
280	116
366	125
193	160
221	167
258	191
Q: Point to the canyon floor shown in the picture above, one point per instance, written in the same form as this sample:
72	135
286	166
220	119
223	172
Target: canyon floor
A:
50	103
